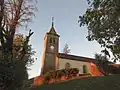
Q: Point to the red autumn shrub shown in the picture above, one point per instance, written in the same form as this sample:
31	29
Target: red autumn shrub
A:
57	75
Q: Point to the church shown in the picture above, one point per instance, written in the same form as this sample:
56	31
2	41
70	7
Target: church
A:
53	60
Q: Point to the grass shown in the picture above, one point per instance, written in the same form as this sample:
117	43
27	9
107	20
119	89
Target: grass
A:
91	83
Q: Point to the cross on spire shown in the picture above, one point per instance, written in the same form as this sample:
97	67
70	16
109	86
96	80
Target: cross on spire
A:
52	21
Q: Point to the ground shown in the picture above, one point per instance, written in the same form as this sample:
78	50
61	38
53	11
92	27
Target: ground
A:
92	83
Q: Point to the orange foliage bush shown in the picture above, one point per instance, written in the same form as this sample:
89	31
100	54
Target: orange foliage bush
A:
60	75
38	81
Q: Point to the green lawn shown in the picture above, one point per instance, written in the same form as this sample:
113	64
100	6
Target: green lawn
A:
92	83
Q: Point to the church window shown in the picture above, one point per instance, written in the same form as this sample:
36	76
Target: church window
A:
84	69
67	66
50	40
54	41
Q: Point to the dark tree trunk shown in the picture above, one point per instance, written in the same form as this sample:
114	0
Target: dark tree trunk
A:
1	11
9	43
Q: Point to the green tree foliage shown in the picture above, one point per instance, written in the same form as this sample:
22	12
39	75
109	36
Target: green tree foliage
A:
102	19
18	45
13	67
14	58
101	62
105	66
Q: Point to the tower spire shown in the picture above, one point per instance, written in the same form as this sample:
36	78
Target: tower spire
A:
52	30
52	21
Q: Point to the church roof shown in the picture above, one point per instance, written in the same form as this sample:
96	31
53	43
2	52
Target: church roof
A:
80	58
76	58
52	30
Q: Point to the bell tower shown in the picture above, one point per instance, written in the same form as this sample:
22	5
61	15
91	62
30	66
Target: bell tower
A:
51	47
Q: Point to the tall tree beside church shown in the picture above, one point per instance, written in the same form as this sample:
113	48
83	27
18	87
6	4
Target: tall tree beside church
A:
13	68
18	44
101	61
102	19
66	49
15	13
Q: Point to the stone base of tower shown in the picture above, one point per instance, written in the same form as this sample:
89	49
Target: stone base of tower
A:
44	71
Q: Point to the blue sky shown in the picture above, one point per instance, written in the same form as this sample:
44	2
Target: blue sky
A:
66	15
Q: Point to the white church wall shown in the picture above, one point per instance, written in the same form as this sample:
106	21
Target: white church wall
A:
74	64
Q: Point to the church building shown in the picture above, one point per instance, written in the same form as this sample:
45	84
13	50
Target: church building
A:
53	60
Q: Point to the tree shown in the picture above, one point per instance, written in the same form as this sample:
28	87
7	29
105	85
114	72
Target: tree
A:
18	44
102	63
14	59
102	19
13	70
66	49
105	66
14	14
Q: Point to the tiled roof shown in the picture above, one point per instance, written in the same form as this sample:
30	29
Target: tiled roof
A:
76	58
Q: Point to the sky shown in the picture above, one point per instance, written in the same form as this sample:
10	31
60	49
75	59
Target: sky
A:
66	15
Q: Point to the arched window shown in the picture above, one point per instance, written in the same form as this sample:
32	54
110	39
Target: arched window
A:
67	66
54	41
50	40
85	69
